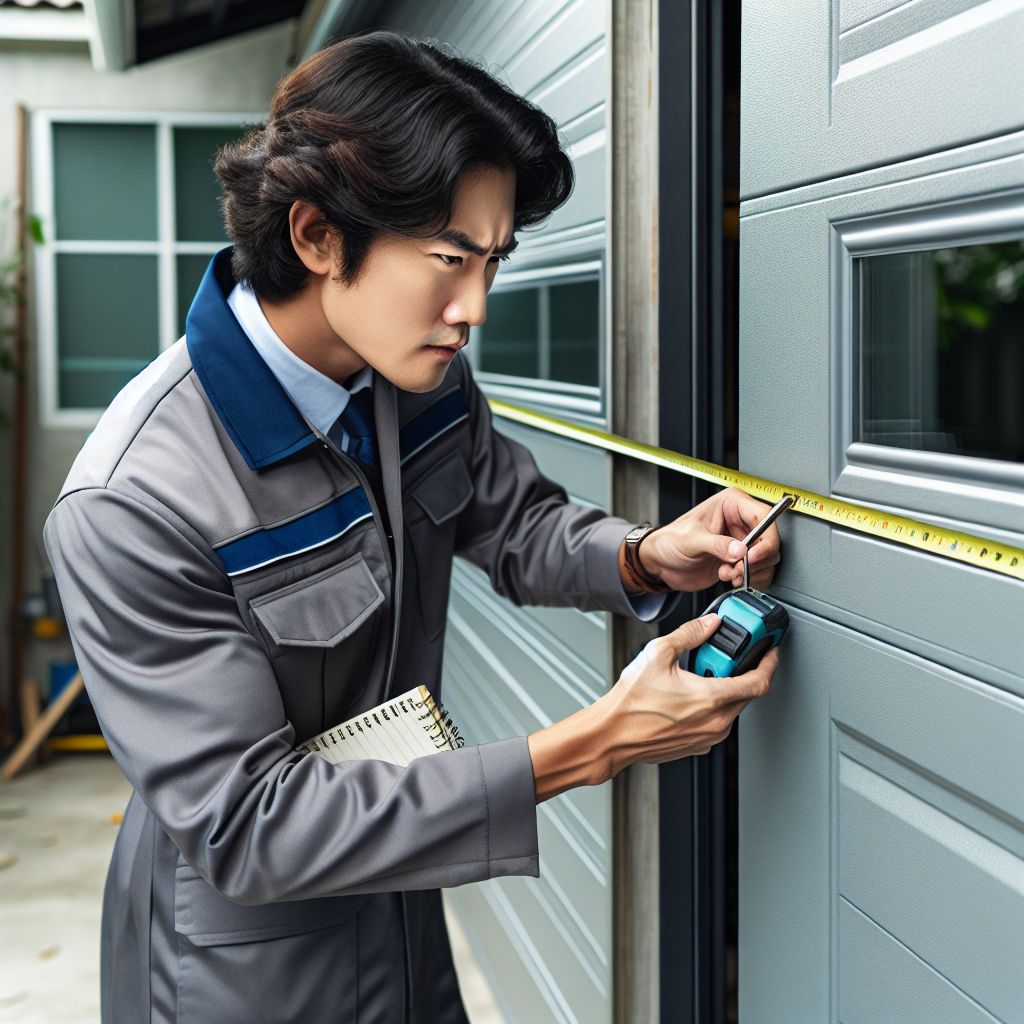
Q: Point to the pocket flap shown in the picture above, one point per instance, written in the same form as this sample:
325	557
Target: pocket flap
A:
206	918
445	490
322	610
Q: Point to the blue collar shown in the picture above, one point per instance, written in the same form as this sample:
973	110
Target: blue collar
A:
255	410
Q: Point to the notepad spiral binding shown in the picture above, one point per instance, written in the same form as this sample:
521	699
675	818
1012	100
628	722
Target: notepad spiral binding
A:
450	738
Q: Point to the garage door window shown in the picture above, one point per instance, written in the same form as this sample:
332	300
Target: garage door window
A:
542	342
939	354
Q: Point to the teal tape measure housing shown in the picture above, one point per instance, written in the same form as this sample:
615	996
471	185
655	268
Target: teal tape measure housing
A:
752	624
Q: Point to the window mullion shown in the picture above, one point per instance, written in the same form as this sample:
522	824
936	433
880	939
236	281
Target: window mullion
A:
167	286
46	267
544	333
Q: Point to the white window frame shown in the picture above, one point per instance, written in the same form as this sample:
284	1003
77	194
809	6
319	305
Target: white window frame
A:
971	490
166	248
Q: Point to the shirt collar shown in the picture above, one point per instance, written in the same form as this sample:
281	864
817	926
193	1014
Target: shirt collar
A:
318	398
255	410
249	399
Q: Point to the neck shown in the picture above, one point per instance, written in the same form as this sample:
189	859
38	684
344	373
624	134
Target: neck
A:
299	321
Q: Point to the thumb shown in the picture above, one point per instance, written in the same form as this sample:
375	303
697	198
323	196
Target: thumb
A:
724	548
691	634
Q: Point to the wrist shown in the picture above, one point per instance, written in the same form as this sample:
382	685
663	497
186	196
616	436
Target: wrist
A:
637	572
646	555
570	753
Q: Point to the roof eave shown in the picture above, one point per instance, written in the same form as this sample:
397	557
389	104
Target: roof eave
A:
111	33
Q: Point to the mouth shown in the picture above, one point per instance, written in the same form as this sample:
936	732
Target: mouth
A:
460	342
450	348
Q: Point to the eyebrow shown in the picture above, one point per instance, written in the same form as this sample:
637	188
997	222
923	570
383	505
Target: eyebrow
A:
462	241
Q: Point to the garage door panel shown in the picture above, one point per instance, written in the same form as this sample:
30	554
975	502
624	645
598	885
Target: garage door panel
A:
941	734
952	614
904	802
946	892
797	319
534	981
882	980
573	31
954	66
785	874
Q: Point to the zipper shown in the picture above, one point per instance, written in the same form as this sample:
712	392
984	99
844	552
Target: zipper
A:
330	446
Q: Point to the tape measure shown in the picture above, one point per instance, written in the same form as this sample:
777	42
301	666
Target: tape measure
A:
937	540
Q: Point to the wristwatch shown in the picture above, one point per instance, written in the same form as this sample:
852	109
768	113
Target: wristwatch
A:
635	566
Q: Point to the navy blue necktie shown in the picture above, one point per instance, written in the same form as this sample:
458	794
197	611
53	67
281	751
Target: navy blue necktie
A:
357	422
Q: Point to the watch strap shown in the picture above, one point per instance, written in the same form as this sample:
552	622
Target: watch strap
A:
646	580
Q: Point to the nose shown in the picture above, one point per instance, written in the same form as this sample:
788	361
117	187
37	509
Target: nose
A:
469	305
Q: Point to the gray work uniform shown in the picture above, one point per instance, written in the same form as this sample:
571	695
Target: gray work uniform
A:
230	591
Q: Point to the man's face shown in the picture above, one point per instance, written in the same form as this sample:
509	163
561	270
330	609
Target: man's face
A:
412	296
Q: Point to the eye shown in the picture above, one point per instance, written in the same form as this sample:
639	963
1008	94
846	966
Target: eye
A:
447	260
499	259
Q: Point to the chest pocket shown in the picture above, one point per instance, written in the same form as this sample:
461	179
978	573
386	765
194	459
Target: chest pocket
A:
438	498
321	610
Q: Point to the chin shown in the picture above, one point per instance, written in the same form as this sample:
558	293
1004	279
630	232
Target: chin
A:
421	382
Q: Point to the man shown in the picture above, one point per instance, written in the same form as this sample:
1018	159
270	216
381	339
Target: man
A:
256	543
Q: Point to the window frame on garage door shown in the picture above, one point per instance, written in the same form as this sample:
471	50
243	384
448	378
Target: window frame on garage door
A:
976	491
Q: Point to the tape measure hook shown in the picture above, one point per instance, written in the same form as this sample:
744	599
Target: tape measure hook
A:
786	501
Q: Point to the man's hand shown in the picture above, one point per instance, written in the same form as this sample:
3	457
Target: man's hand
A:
704	546
655	712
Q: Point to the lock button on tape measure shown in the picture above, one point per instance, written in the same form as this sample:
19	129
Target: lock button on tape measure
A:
752	622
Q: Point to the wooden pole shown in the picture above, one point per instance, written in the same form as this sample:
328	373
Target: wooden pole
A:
19	431
35	736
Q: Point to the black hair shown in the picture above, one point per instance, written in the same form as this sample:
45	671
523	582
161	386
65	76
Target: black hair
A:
375	131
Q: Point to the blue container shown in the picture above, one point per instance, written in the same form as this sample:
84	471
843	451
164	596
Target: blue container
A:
61	673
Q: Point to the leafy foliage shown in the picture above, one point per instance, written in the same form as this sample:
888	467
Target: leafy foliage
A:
973	283
11	295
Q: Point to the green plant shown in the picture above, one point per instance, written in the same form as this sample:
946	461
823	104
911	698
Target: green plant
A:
11	294
973	283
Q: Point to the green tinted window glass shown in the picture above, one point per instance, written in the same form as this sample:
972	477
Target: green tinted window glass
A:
940	350
107	324
92	388
574	317
104	182
196	189
190	273
509	340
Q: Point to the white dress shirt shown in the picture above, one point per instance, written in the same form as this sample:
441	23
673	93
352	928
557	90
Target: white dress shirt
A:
320	399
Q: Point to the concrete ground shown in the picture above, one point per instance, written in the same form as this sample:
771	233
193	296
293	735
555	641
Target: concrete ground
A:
57	828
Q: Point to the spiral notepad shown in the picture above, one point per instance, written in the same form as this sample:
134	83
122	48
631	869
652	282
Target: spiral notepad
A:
397	731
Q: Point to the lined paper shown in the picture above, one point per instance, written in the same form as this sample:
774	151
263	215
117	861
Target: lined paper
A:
397	731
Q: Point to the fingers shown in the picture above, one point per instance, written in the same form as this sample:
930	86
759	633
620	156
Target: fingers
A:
762	562
743	511
725	549
689	635
755	683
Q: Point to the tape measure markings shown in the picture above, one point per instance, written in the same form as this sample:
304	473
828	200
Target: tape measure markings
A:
966	548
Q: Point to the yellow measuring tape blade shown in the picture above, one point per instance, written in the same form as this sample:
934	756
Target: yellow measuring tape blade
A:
937	540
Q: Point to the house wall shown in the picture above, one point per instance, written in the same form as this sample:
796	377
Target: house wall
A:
231	76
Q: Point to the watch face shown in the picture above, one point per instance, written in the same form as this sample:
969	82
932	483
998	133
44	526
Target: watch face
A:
636	533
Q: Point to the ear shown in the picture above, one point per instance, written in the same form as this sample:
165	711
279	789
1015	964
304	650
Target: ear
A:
313	239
